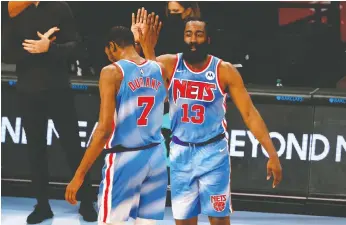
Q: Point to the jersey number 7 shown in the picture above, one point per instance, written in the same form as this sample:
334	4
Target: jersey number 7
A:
147	102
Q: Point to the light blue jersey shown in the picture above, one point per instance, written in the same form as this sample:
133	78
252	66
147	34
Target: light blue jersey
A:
197	103
199	157
139	105
134	182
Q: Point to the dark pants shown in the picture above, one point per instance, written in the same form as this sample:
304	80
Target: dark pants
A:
36	109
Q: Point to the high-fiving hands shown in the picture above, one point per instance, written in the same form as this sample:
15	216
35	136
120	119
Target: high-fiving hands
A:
146	28
138	22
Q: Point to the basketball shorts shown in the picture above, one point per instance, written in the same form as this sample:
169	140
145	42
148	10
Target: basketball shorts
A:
134	184
200	180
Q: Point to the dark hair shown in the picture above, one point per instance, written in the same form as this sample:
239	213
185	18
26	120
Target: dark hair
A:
198	19
122	36
196	12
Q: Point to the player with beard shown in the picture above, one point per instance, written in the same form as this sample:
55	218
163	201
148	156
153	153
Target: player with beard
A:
200	162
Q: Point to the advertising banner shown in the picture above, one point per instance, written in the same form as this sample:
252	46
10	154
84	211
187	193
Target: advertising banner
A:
311	143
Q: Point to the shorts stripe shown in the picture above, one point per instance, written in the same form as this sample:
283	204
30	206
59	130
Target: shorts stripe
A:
107	197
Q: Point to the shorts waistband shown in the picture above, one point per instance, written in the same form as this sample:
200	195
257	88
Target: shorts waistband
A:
183	143
120	148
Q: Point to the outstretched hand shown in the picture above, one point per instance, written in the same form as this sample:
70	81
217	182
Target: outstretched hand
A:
150	31
138	22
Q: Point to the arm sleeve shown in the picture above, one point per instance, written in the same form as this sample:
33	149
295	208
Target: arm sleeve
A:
68	40
12	50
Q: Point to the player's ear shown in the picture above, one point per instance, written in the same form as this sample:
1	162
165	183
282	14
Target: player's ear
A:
116	46
112	47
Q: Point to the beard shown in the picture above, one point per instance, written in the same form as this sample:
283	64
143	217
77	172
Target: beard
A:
197	56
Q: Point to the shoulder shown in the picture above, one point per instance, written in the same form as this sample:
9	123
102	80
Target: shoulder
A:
63	8
61	5
167	58
111	73
228	73
227	68
160	64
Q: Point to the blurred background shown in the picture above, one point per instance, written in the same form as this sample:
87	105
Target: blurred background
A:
298	44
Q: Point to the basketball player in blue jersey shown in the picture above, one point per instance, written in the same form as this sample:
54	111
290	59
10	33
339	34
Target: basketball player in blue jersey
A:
132	92
199	157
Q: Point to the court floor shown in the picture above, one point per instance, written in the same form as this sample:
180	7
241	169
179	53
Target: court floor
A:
15	210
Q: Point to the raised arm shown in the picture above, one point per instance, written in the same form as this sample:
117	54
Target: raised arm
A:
149	28
230	79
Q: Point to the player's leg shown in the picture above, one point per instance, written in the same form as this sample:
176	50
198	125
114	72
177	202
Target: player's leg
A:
140	221
119	190
115	223
220	220
184	186
153	190
214	182
191	221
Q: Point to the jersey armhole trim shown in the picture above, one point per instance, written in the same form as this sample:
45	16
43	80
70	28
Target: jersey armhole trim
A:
119	67
161	71
174	70
218	78
122	73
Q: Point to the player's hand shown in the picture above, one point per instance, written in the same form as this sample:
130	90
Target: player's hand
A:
274	168
138	23
149	36
42	45
72	189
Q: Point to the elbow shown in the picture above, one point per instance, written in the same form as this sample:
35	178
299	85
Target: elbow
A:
107	134
250	115
105	131
12	11
12	14
246	116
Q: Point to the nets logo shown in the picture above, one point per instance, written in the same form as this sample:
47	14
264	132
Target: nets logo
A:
218	202
290	98
196	90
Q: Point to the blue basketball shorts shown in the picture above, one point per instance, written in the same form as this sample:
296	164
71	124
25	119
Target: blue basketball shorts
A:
200	180
134	184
